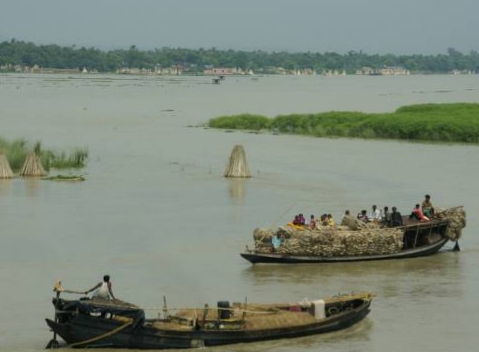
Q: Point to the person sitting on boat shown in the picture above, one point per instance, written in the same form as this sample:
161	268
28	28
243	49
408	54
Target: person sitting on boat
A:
330	220
312	223
375	215
296	220
418	214
103	289
346	215
427	207
276	242
363	216
324	220
395	218
302	220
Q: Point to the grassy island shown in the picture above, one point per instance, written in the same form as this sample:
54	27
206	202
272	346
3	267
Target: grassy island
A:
17	150
457	123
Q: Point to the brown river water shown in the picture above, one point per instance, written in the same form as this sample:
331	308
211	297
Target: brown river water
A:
156	214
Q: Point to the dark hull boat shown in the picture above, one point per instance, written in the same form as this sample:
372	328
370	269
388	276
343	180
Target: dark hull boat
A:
417	239
87	323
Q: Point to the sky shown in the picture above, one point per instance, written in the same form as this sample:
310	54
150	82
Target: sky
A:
371	26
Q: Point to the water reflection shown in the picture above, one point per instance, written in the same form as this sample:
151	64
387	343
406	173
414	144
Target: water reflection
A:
418	277
5	185
357	335
32	185
237	189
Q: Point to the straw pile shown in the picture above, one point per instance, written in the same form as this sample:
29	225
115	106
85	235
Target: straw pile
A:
331	241
32	166
278	320
256	317
237	166
5	169
457	221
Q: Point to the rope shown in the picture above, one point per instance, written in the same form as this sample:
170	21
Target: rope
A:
108	334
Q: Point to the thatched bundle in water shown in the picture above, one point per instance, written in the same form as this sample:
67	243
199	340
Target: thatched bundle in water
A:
32	166
237	166
331	241
5	169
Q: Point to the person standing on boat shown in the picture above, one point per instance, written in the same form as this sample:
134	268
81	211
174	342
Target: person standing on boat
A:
375	215
386	215
395	218
312	223
427	207
103	289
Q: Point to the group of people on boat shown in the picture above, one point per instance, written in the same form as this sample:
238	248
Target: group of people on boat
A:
421	212
313	223
385	217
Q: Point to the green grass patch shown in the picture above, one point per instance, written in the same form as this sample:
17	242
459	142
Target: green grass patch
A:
241	122
74	178
16	152
457	123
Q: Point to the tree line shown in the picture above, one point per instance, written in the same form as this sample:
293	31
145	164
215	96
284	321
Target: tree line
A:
22	53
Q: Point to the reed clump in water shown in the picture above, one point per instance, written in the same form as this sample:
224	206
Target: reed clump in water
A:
17	151
237	165
5	169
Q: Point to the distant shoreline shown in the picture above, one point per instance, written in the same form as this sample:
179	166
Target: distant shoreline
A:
18	55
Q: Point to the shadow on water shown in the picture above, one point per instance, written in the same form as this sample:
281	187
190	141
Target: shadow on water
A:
333	341
389	278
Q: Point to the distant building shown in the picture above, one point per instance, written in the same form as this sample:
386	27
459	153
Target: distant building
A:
463	72
385	71
394	71
223	71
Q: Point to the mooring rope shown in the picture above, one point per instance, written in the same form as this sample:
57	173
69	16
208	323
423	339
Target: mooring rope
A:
100	337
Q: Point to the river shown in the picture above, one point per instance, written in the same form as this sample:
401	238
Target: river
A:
156	214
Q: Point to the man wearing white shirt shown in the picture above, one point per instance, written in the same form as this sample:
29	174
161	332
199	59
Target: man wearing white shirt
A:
375	215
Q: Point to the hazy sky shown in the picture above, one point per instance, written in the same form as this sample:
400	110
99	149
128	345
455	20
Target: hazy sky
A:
373	26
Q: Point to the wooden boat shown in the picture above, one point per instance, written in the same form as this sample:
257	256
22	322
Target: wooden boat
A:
89	323
418	239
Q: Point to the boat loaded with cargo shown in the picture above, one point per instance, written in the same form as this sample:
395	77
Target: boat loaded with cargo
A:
358	241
